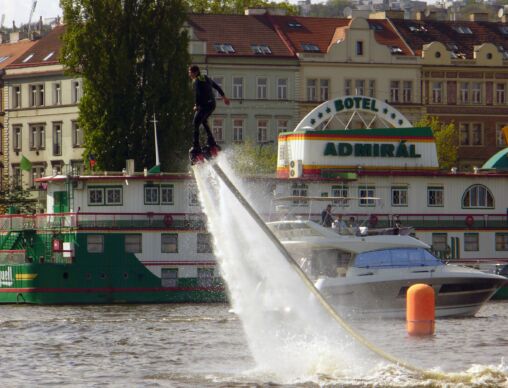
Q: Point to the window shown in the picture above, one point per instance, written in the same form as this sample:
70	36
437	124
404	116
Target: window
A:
372	88
310	48
359	87
238	130
471	134
500	139
407	91
477	196
471	242
36	95
16	97
299	190
57	139
501	241
77	167
205	277
37	172
47	57
311	90
16	138
464	93
262	88
366	194
282	89
262	130
437	92
169	277
16	176
238	87
193	195
500	94
169	243
359	47
347	87
261	49
133	243
224	48
37	137
340	191
204	244
435	196
77	135
76	92
95	243
219	80
113	195
282	125
218	129
151	195
399	196
95	196
324	86
394	91
439	242
57	93
476	93
167	195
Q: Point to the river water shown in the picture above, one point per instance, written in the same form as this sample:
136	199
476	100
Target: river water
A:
205	346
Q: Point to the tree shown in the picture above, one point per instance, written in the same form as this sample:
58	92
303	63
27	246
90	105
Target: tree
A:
132	56
236	6
332	8
254	159
17	199
446	137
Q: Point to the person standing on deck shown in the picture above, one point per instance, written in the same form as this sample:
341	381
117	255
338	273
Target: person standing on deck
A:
326	217
204	106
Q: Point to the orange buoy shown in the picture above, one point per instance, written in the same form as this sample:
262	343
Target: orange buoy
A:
420	310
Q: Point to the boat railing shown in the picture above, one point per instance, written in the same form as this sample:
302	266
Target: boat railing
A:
146	220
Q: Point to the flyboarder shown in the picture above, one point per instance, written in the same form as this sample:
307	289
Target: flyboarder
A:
203	108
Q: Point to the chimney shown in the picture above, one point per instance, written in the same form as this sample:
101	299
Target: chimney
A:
479	16
130	166
14	37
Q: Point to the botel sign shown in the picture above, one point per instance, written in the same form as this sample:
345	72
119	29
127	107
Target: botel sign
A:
355	103
383	150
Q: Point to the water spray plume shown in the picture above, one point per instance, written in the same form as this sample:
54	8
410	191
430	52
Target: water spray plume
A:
285	318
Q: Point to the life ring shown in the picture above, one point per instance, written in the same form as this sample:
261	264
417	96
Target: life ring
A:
469	221
373	219
168	220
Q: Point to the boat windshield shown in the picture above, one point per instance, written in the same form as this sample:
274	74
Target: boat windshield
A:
396	258
292	231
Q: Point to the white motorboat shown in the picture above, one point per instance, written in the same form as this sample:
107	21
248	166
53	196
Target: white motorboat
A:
363	273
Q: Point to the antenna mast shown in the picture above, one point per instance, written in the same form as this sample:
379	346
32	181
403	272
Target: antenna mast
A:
34	4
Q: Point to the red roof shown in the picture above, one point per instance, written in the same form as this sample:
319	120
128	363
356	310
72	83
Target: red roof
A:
39	53
9	52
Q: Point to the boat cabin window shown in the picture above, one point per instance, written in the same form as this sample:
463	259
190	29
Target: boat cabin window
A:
95	243
169	277
330	262
292	230
400	257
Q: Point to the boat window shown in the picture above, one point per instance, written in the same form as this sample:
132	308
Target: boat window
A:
400	257
286	231
329	262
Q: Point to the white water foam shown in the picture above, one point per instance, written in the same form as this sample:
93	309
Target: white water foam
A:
290	336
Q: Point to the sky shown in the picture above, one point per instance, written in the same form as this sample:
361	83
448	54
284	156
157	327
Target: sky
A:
19	10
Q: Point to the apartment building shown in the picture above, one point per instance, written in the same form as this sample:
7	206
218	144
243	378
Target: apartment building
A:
41	113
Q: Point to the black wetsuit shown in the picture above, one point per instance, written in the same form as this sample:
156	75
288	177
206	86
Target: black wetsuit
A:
205	105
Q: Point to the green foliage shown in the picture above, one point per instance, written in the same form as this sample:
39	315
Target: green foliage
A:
236	6
253	159
331	8
132	56
18	199
446	137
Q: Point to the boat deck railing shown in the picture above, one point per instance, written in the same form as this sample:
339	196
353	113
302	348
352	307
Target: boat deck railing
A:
149	220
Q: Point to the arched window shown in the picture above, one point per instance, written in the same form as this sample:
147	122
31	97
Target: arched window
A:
477	196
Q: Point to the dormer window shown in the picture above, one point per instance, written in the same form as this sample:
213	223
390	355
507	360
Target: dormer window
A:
463	30
294	25
4	58
376	27
417	28
262	49
503	30
225	48
48	56
452	46
310	47
395	50
28	58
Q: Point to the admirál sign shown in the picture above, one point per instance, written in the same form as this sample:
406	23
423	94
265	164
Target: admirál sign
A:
383	150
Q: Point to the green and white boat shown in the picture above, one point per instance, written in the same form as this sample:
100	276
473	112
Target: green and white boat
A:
113	238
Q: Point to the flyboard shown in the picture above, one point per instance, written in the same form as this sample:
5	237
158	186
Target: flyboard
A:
312	288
